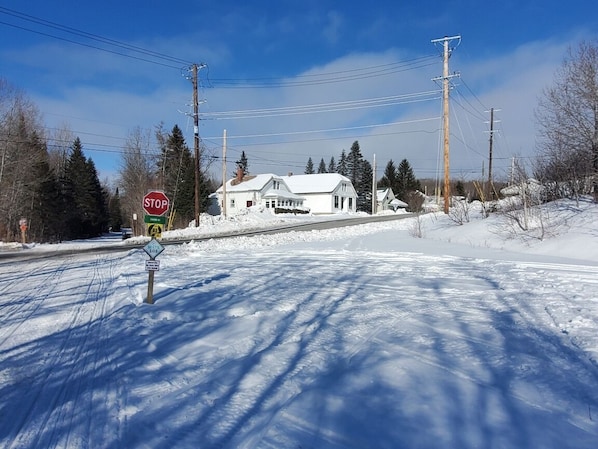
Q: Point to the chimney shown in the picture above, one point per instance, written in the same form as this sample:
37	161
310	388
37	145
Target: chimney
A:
290	174
239	175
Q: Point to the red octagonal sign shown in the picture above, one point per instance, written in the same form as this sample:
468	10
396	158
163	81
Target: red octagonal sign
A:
155	203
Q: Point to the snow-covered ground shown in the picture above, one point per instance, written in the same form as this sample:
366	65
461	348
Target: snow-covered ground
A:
357	337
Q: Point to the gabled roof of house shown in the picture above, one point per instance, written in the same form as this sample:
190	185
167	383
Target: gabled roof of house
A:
315	183
249	183
382	193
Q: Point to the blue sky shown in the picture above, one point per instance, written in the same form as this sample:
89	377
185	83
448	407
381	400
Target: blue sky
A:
317	75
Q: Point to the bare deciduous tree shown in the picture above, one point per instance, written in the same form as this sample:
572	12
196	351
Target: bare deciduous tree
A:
21	146
136	176
567	117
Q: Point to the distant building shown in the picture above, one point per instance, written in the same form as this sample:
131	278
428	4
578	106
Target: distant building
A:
386	200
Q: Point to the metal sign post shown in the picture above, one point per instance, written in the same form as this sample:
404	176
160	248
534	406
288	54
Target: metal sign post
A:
153	249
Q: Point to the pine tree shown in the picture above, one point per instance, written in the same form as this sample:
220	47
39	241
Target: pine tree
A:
364	187
389	179
309	168
243	164
115	211
45	218
179	177
322	166
354	164
341	168
332	165
406	181
85	200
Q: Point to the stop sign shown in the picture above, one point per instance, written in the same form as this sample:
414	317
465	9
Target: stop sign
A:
155	203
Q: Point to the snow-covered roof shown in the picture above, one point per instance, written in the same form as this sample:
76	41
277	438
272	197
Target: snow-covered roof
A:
249	183
315	183
398	203
381	194
279	193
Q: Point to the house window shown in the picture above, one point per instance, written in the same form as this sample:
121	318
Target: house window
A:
232	203
336	201
276	185
267	204
350	203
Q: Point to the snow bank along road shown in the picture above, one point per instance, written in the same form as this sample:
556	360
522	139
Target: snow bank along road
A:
321	345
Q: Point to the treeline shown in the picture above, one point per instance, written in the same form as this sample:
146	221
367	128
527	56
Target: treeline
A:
58	192
47	180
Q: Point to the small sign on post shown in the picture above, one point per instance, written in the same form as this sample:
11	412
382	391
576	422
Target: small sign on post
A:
23	226
153	249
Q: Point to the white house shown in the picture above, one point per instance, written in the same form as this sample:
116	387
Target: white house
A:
386	200
324	193
267	190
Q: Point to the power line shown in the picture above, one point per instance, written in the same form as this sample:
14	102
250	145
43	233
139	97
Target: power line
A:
92	37
323	107
327	77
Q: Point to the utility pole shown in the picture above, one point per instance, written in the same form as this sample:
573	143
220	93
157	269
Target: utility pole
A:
224	174
445	113
194	69
490	189
374	189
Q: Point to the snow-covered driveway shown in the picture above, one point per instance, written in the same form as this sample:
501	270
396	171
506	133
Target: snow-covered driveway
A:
351	343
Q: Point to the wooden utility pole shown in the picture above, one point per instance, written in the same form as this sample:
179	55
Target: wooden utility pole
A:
224	174
374	189
490	153
491	141
445	114
194	69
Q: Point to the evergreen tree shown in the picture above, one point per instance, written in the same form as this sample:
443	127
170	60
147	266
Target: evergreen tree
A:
179	177
332	165
406	181
365	186
341	168
85	200
322	166
115	212
243	164
44	216
389	179
309	168
354	164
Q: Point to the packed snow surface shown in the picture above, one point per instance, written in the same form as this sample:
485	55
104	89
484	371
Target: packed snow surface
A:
413	333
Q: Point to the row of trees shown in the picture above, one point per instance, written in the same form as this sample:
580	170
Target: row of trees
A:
56	191
47	179
354	167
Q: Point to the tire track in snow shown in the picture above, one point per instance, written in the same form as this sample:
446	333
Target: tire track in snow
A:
64	390
44	280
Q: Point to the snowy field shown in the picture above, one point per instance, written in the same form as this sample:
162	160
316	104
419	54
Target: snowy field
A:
358	337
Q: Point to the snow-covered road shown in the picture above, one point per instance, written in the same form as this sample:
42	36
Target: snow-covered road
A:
351	343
